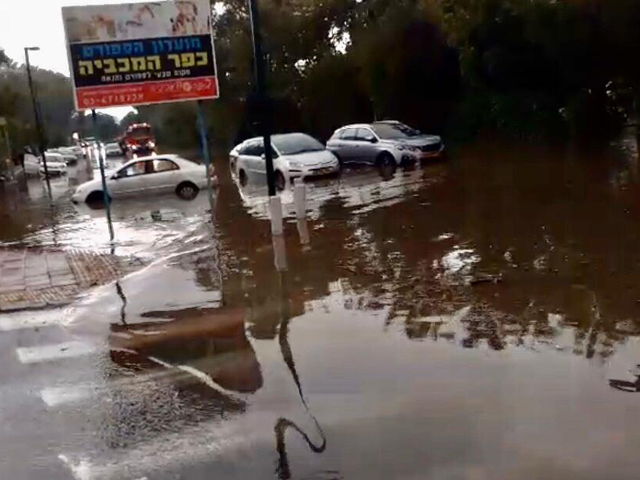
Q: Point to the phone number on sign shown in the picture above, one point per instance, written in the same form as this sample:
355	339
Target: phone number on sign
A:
109	100
151	92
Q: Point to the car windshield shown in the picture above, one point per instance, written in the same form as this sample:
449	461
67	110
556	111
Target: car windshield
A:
295	143
393	131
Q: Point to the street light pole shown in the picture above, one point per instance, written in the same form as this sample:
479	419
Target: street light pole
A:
36	114
263	101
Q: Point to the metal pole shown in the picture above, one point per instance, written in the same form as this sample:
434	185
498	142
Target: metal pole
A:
262	98
36	113
105	192
202	130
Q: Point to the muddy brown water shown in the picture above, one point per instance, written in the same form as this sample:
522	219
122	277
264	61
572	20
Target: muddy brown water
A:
469	319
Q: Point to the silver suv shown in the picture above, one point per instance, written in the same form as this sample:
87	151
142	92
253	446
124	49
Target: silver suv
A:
383	143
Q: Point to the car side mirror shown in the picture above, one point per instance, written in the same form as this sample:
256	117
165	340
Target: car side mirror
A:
263	157
373	140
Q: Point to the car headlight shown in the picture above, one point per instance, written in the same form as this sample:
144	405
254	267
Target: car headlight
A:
151	144
295	165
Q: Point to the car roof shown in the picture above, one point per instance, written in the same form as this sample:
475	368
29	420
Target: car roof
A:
276	135
355	125
169	156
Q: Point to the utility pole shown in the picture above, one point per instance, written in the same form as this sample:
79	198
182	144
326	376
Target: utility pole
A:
36	114
262	98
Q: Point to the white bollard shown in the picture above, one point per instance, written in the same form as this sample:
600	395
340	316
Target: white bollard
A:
275	214
300	198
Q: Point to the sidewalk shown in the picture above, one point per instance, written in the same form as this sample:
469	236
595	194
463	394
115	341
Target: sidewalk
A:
36	278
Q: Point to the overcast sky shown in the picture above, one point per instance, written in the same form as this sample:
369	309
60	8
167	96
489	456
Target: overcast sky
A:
39	23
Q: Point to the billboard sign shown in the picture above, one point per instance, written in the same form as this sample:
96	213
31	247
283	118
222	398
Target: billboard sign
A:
140	53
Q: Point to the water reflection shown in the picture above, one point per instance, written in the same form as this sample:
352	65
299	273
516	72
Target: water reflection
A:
626	386
424	302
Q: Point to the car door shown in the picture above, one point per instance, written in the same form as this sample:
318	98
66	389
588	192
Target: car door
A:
164	176
347	145
130	179
246	157
365	145
252	157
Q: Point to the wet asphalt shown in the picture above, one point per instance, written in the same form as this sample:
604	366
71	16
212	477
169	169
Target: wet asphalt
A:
475	318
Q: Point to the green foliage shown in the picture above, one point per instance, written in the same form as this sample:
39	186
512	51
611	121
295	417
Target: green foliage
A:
56	105
523	68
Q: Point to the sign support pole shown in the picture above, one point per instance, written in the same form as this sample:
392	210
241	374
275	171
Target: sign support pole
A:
105	192
202	130
263	99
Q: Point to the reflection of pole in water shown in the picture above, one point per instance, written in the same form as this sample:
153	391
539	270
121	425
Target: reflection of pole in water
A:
283	469
123	313
303	231
279	253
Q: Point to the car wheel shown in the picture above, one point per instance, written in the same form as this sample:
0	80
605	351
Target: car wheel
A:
242	176
95	198
280	181
386	160
187	191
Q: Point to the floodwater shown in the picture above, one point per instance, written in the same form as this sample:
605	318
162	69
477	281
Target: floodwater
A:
477	318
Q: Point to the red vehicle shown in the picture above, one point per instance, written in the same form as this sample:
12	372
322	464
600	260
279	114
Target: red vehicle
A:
138	141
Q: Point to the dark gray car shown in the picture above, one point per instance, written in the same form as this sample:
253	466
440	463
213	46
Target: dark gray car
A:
383	143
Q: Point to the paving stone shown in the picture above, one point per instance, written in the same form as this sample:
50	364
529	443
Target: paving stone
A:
35	278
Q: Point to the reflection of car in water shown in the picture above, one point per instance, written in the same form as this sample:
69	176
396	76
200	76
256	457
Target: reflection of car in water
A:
197	358
295	155
138	141
383	143
213	343
148	176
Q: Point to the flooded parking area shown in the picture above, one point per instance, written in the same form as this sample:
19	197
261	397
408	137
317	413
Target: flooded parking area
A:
474	318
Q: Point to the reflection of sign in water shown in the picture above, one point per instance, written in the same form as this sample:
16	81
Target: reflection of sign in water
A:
143	53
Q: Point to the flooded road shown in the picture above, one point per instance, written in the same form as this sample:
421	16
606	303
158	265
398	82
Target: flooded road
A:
471	319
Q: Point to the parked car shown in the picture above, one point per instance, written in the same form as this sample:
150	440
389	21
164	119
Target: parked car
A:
61	153
31	164
148	176
56	164
295	155
112	149
383	143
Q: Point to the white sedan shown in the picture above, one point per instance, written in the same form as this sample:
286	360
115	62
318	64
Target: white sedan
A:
148	176
56	164
295	155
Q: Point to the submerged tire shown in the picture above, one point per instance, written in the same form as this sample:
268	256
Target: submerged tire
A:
187	191
242	177
281	183
96	197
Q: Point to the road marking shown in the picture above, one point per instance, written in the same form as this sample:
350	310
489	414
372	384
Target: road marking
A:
60	351
57	396
24	320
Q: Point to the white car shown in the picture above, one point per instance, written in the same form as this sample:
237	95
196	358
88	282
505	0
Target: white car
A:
295	155
31	164
56	164
148	176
